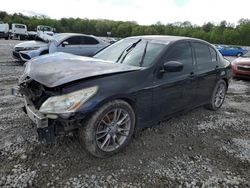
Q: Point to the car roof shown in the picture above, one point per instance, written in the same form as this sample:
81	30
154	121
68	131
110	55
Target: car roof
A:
166	39
74	34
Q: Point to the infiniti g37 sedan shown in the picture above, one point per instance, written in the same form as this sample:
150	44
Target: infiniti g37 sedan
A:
128	86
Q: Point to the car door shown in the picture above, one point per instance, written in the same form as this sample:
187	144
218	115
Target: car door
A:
73	45
174	91
207	70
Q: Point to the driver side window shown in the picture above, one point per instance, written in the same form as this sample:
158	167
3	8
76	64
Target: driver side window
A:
73	40
182	53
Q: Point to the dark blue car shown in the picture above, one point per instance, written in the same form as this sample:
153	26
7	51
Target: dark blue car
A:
231	50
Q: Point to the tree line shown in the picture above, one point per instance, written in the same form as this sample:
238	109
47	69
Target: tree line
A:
222	33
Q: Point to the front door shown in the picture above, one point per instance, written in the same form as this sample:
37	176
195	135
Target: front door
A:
174	91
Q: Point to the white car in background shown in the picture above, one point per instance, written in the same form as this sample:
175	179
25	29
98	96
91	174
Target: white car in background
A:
43	29
18	31
78	44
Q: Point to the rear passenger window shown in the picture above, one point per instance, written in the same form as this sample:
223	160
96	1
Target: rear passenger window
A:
204	59
213	54
90	40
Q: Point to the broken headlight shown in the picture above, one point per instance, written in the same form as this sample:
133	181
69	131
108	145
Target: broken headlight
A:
68	102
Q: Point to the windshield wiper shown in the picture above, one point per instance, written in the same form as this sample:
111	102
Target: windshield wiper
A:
127	50
143	55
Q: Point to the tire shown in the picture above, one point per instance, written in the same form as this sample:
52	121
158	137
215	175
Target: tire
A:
102	136
218	96
239	54
6	38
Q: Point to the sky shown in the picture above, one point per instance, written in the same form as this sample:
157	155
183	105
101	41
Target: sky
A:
144	12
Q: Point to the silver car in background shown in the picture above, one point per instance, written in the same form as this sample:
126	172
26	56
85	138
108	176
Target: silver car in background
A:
78	44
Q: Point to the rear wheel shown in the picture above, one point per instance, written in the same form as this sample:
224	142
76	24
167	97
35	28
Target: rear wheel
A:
109	129
218	96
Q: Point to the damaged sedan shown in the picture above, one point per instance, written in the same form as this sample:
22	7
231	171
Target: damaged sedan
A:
130	85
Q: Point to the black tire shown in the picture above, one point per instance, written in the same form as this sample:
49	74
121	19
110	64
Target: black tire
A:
88	133
218	96
239	54
7	38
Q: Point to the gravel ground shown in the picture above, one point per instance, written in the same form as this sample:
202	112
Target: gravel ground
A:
200	148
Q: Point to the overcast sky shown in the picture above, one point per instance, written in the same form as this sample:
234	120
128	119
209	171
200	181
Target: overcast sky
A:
142	11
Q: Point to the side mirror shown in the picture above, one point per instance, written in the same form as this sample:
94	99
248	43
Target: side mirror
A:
65	43
173	66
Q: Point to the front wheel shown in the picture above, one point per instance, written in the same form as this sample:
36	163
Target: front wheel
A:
218	96
109	129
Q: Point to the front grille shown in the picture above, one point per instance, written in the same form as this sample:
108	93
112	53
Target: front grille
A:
244	67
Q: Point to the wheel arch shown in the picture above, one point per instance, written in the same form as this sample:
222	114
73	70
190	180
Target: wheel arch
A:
129	99
226	80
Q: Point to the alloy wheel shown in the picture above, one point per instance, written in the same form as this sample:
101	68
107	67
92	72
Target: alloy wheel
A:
113	130
220	95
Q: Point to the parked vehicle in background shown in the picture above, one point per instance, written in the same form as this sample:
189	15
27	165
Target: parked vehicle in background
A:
42	29
129	85
18	31
241	66
231	50
4	30
78	44
32	35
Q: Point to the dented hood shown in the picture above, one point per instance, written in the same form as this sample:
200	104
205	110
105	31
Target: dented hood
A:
60	68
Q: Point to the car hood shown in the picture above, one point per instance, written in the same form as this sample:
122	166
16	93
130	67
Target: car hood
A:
32	43
60	68
242	61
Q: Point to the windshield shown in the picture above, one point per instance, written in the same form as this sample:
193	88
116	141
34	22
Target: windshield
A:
46	28
247	54
132	51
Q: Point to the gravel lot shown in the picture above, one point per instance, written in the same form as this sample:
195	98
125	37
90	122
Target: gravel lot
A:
198	149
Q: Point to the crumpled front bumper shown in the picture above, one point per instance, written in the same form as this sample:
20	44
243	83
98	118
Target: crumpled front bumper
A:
45	132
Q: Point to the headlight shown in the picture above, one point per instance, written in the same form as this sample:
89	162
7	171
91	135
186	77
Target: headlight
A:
31	48
67	103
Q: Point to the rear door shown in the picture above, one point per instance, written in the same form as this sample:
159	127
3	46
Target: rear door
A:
206	60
